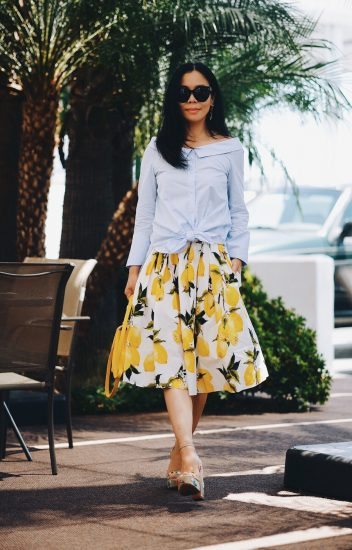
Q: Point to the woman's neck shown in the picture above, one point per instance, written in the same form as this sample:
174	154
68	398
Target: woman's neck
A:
197	132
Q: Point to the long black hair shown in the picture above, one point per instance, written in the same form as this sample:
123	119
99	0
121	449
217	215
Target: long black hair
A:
173	131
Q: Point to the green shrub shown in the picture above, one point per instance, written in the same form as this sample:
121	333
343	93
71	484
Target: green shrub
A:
297	371
297	374
91	400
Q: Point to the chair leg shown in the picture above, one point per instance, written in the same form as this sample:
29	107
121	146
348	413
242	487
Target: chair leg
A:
3	427
68	385
17	433
51	429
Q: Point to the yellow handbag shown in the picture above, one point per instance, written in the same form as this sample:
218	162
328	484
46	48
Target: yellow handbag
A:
116	360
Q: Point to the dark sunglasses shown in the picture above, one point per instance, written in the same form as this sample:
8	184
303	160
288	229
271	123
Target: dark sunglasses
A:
200	93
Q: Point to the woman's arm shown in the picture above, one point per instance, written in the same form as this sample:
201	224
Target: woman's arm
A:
145	210
237	240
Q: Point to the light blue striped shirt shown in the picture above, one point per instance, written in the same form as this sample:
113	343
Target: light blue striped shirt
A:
205	201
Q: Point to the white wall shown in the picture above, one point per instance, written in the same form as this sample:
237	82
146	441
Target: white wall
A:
306	284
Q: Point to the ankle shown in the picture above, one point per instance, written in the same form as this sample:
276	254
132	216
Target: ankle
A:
186	447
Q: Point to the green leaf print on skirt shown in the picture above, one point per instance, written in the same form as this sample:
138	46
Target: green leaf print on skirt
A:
189	327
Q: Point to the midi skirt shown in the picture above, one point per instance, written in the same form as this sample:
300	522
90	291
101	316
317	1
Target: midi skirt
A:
188	327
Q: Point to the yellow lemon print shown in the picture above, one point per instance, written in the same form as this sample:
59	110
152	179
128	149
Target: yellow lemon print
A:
159	261
260	376
249	374
209	302
150	265
231	295
190	360
176	301
201	267
160	353
132	356
187	338
177	334
190	272
204	384
223	329
229	326
221	247
190	255
157	288
218	311
148	362
166	275
202	346
230	332
134	336
228	387
174	258
187	276
184	279
177	383
216	279
236	321
221	347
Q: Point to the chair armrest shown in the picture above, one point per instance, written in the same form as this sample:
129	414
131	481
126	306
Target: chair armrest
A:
66	327
75	318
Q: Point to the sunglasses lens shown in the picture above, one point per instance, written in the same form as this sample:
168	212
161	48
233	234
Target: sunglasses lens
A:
201	93
183	94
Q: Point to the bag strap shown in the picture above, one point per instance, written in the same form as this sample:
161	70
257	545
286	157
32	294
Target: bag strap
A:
121	328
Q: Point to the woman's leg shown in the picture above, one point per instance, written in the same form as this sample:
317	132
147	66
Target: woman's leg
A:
198	402
184	413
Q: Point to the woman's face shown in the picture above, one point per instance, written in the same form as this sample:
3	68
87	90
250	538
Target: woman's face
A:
194	110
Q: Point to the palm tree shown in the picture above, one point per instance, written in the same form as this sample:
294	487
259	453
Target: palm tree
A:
10	124
90	125
41	45
105	103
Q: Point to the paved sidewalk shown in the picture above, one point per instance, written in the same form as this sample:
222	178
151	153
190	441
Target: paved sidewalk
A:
112	495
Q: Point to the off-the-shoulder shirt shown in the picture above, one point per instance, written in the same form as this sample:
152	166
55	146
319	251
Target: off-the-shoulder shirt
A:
204	201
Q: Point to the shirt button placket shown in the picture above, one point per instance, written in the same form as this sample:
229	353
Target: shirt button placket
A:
190	233
194	190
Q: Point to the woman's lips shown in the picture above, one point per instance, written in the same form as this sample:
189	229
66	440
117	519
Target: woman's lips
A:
193	110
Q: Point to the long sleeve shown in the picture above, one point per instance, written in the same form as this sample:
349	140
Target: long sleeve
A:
237	240
145	210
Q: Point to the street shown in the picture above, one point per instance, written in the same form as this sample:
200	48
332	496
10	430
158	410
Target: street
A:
110	491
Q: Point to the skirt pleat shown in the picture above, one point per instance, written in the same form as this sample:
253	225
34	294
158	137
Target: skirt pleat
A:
188	327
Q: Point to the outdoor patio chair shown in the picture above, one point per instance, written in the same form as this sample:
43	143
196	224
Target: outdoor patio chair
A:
31	301
73	302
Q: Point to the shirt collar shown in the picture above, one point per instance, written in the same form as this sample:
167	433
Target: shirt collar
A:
223	146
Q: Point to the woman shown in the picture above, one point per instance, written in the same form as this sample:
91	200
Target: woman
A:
190	333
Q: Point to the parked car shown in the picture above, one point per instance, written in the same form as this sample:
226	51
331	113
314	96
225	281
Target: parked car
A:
315	220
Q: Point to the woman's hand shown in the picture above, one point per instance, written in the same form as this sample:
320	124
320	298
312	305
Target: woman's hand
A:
131	281
236	264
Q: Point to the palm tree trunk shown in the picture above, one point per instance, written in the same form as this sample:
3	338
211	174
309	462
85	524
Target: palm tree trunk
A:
122	159
88	203
10	124
35	168
112	253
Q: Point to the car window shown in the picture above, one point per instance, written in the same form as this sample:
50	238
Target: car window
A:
279	209
347	215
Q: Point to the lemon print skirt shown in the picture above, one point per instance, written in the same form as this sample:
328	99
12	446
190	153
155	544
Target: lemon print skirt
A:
188	327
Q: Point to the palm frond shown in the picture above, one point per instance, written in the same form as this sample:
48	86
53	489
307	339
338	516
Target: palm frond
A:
44	40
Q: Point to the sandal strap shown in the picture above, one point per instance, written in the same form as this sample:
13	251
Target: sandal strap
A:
186	445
